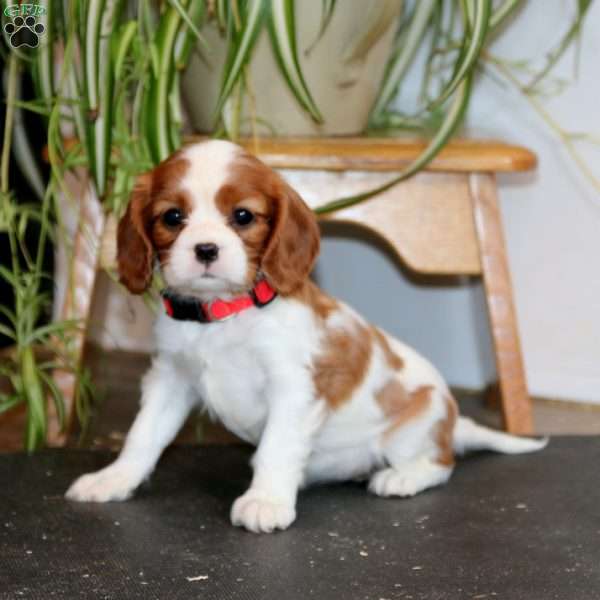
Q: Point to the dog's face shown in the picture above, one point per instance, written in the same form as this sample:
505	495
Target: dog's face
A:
214	217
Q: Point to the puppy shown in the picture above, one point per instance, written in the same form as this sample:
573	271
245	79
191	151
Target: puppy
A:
245	334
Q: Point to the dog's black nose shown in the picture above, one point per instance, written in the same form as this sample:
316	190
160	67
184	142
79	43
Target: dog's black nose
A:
206	253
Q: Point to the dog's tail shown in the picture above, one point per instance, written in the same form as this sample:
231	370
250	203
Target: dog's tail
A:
468	435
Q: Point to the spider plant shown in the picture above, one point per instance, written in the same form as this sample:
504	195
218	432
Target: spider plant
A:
116	89
29	376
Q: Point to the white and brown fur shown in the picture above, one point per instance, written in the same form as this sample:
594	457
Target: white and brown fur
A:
323	394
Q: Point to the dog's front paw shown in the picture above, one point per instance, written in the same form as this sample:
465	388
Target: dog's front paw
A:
110	484
258	512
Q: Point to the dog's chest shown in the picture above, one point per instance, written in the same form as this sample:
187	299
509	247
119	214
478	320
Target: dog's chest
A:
226	372
232	387
231	364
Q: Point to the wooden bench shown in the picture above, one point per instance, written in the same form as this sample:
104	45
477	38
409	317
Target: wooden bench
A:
442	221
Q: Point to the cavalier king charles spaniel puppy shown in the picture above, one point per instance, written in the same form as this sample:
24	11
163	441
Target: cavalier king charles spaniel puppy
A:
246	335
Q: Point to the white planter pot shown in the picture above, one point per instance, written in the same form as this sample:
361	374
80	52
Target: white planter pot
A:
343	80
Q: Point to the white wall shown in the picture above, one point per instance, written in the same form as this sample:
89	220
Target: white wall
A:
552	227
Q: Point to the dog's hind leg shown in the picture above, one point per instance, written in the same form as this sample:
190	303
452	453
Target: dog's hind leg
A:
418	451
409	478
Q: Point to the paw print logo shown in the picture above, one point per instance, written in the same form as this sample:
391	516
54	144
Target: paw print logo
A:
24	32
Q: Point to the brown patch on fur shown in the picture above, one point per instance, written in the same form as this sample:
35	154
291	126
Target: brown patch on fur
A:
401	406
167	175
287	252
392	359
134	250
162	235
444	433
294	244
140	230
311	295
243	193
342	365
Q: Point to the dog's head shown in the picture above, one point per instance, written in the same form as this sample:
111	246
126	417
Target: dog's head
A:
214	217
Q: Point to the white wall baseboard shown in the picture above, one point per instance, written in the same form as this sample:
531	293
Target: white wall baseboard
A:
564	386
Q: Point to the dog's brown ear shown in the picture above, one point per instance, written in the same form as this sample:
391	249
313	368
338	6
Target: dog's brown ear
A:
134	249
293	245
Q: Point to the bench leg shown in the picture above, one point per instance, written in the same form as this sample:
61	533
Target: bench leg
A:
516	405
78	299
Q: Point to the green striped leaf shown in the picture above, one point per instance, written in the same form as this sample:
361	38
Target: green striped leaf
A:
282	27
196	13
120	47
35	429
7	332
8	402
327	8
56	396
40	334
157	111
90	51
43	68
103	125
478	14
564	43
240	47
404	55
502	12
222	9
175	113
451	122
186	42
10	315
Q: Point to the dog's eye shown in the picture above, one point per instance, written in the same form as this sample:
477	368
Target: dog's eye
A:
173	217
242	216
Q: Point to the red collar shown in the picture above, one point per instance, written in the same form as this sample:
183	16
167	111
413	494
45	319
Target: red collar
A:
188	308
